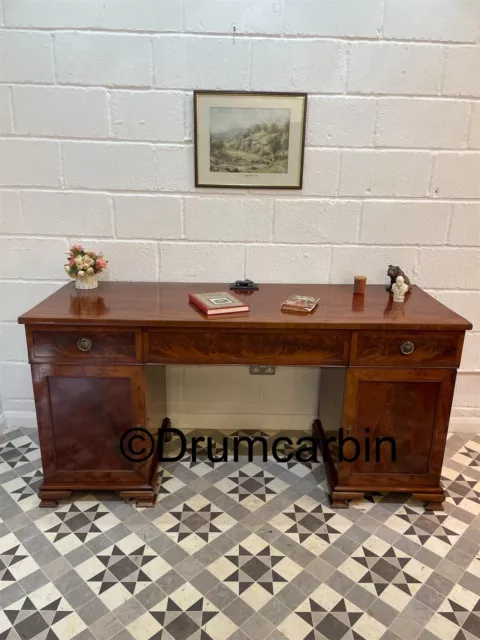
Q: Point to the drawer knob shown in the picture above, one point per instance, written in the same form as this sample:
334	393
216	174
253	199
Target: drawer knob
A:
84	344
407	347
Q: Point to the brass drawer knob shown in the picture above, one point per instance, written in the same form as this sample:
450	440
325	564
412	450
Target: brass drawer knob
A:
407	347
84	344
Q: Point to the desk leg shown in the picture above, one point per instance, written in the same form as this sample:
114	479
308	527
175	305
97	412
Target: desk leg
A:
339	498
147	497
48	499
433	501
142	498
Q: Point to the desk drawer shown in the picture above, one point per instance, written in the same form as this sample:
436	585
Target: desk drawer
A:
84	344
410	348
275	347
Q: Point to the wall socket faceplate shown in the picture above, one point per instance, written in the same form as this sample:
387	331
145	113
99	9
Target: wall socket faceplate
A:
262	369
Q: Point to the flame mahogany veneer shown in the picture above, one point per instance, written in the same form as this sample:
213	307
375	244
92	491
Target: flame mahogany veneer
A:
389	368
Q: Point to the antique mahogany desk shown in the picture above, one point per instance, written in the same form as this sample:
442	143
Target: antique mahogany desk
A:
389	368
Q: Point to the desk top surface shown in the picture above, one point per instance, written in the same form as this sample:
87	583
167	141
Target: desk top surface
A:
166	304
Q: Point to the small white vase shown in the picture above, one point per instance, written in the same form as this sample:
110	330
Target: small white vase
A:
86	282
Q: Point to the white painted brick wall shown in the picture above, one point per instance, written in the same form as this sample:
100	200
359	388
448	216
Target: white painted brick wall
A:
197	63
229	220
299	65
456	175
247	16
142	15
462	71
292	263
31	258
189	262
29	162
465	225
347	122
370	262
455	268
148	115
10	212
127	259
397	223
107	165
6	124
174	168
96	146
13	345
317	222
334	18
148	216
321	172
103	59
443	20
394	68
474	134
403	122
26	56
61	111
385	173
69	213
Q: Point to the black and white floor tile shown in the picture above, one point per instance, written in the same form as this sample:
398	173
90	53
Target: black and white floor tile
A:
238	551
194	523
255	571
251	486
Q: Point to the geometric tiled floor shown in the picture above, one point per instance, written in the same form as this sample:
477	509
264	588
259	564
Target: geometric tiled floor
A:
246	550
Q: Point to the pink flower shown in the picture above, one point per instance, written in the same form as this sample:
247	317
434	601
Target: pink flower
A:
71	260
77	247
92	254
101	263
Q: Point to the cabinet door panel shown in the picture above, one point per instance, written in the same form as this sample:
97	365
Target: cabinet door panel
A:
82	414
410	409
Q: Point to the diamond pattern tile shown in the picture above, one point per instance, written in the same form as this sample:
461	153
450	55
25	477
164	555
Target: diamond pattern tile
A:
251	486
238	551
255	571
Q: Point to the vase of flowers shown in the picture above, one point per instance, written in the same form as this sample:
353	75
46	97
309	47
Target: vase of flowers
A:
84	266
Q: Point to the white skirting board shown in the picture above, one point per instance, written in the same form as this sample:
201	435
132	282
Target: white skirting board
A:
3	422
22	419
28	420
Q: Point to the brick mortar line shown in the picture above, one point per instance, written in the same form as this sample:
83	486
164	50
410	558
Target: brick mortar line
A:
244	35
206	241
188	90
188	144
250	194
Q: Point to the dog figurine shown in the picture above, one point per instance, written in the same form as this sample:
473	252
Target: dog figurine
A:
393	273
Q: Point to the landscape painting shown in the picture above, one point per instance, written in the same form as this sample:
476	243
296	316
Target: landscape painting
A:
249	139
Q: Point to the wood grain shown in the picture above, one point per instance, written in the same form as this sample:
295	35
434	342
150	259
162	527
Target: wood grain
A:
82	413
166	304
55	344
247	347
433	348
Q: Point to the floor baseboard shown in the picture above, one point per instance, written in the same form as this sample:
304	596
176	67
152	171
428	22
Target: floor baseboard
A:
22	419
3	423
463	424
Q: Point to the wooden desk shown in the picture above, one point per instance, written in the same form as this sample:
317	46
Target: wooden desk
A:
388	368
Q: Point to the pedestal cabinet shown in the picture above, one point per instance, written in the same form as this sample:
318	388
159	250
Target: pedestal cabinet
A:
83	412
398	420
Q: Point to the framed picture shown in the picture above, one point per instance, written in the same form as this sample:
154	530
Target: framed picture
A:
253	140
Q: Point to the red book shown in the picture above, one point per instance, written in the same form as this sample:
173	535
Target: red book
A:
215	304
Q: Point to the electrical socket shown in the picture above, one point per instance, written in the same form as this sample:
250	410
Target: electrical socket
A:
262	369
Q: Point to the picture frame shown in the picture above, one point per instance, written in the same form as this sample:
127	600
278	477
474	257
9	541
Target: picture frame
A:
249	140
